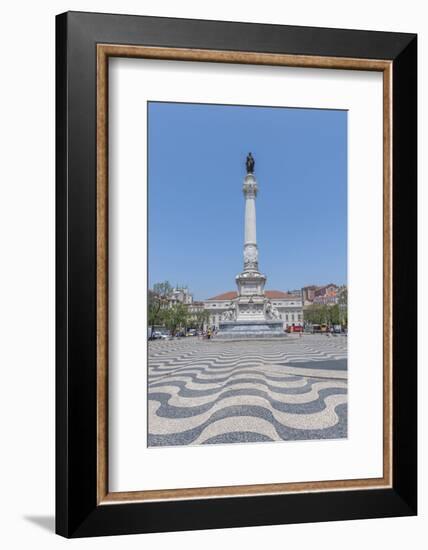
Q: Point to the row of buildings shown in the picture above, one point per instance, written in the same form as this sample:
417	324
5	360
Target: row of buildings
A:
289	305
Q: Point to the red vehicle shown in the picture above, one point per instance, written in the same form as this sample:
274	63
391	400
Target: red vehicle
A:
294	328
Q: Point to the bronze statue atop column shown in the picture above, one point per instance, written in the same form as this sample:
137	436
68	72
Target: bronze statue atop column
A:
250	163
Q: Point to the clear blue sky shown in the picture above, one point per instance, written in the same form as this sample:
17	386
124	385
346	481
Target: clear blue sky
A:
196	207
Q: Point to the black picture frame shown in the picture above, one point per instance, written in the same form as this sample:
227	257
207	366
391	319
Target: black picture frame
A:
77	512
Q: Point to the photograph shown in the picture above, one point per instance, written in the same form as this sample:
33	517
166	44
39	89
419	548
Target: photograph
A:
247	299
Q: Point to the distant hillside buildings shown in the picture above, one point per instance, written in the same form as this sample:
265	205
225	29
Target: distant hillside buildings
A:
324	295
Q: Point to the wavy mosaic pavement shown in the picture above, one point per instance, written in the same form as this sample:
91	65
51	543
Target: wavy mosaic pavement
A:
208	392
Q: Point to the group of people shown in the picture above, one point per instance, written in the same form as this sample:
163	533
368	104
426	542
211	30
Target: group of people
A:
209	333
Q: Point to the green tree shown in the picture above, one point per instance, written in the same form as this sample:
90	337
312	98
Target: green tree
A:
322	314
201	318
198	319
335	315
326	314
315	314
343	304
176	317
157	303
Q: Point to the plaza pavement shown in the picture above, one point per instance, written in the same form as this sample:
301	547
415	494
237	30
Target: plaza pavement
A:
208	391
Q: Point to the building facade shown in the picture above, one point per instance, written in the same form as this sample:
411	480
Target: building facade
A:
180	295
321	295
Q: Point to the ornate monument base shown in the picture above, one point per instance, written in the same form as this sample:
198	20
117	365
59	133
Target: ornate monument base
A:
243	330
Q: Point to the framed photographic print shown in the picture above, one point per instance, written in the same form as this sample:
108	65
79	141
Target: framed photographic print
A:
236	274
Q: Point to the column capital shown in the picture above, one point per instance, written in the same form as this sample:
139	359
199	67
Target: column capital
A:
250	186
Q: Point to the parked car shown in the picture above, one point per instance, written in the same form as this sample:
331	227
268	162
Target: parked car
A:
160	335
294	328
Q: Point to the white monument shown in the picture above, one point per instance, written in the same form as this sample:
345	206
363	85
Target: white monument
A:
252	314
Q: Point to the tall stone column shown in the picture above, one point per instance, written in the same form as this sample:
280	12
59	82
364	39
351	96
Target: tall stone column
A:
250	304
251	315
251	253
